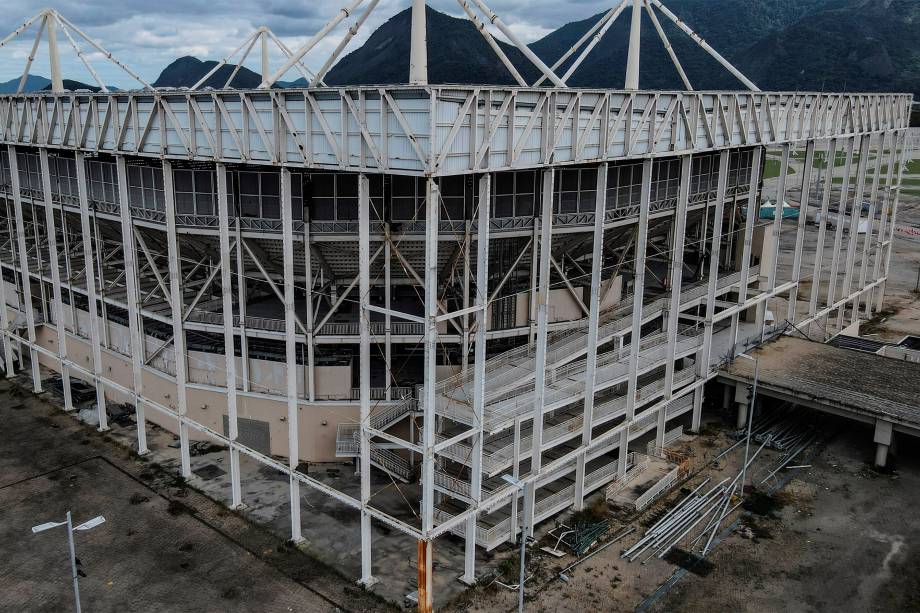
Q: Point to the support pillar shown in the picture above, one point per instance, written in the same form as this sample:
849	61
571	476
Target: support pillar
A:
364	460
425	604
636	328
89	273
418	52
54	262
884	437
536	447
677	279
597	256
24	270
226	290
748	241
290	349
715	250
432	216
177	306
479	371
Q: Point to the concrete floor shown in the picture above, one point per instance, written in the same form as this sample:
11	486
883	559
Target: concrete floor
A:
331	529
160	549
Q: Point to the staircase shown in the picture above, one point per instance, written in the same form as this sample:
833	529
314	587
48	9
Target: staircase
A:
348	445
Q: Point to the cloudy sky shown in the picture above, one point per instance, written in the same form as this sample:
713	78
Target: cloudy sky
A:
148	34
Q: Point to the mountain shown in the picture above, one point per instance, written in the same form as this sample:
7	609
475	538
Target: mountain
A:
188	70
34	83
857	45
728	26
457	53
871	45
71	85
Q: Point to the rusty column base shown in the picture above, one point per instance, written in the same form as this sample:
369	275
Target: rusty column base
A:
424	577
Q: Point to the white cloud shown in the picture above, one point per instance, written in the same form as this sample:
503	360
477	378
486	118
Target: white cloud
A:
149	35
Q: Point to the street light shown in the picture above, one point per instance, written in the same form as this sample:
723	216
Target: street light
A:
522	486
750	416
87	525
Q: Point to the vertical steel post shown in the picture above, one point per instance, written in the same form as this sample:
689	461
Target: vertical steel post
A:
290	349
546	237
894	216
54	56
597	257
387	320
635	335
425	600
132	297
24	269
677	280
5	335
883	218
177	305
800	229
777	229
226	292
715	250
364	289
870	227
418	51
241	283
308	283
635	46
855	214
748	242
54	261
74	575
479	369
432	216
830	161
89	273
841	211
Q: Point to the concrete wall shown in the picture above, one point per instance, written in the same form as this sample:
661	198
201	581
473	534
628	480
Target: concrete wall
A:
317	422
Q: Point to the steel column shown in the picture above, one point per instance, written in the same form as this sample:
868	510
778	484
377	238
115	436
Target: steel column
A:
290	349
546	237
432	216
830	159
133	295
597	257
479	370
855	214
93	307
177	305
635	335
364	289
226	292
800	229
677	280
54	262
24	270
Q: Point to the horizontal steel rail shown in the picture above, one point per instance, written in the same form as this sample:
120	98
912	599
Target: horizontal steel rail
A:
431	131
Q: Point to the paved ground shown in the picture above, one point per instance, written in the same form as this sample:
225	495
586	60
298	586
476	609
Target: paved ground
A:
164	547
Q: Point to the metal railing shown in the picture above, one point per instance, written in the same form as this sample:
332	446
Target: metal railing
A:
656	490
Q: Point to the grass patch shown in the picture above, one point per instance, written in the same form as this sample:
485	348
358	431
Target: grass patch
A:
772	167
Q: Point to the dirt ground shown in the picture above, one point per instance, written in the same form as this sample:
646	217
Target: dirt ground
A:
842	538
847	540
163	546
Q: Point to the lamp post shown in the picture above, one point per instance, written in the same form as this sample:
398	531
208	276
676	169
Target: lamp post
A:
750	417
87	525
522	486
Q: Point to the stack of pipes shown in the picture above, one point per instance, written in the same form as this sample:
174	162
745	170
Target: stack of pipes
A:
708	510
